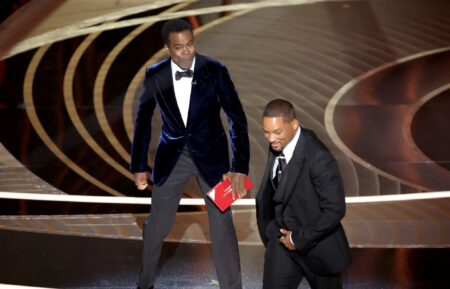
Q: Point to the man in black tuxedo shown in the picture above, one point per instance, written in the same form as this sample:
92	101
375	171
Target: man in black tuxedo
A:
190	90
299	205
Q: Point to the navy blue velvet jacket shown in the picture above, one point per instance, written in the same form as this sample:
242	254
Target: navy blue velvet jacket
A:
204	134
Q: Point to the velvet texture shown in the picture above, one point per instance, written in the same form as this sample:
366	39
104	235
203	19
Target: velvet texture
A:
204	134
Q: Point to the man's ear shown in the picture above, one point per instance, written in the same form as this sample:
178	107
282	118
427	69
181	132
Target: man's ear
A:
166	48
294	124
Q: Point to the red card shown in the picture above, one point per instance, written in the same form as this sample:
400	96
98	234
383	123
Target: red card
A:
220	194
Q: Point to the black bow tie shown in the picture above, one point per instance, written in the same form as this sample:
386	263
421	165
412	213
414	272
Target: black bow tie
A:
186	73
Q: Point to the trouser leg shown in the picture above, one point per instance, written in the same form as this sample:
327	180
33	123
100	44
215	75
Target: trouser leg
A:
165	202
156	227
280	270
331	281
224	243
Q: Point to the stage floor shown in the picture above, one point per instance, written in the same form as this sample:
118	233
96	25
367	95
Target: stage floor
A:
59	261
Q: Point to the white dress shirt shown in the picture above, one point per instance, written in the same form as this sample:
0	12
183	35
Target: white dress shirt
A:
288	151
182	88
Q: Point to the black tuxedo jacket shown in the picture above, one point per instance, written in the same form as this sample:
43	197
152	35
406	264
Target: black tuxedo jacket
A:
204	134
313	204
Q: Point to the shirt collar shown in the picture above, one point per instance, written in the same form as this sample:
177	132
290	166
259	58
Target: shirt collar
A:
288	150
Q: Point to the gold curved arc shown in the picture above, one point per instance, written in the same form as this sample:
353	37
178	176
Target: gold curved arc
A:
129	95
74	30
39	129
329	115
72	111
100	83
407	125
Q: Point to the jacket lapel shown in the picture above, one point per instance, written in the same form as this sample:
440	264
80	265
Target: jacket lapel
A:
201	73
165	84
293	170
266	180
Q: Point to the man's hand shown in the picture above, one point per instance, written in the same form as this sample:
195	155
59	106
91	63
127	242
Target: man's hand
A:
286	239
237	184
140	179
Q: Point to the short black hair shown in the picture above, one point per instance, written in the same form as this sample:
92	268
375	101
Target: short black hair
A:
280	108
174	25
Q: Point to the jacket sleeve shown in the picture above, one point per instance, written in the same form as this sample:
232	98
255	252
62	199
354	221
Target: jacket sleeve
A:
327	183
142	127
229	101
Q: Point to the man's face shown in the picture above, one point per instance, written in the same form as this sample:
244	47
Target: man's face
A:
278	132
181	48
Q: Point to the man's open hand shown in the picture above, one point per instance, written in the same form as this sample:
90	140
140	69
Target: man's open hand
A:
237	184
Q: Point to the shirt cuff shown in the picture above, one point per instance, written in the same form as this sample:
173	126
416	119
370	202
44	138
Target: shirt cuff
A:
290	237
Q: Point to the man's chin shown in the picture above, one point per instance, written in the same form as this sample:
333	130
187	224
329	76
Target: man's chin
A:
186	67
187	64
276	148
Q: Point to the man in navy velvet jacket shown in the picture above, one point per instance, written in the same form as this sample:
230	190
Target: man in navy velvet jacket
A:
190	90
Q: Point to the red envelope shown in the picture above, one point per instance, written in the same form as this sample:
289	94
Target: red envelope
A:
220	194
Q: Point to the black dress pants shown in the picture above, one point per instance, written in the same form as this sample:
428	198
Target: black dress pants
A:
283	270
165	201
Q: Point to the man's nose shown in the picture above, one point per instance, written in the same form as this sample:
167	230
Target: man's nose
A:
270	138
